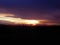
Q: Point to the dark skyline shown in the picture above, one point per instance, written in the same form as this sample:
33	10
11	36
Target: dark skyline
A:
37	9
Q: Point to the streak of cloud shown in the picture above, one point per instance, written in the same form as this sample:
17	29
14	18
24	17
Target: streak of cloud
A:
10	19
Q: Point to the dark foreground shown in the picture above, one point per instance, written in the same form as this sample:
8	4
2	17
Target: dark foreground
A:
28	31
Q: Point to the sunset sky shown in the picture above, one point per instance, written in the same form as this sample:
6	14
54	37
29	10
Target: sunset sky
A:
32	9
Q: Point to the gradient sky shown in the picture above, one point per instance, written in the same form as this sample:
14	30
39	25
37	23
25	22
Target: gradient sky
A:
35	9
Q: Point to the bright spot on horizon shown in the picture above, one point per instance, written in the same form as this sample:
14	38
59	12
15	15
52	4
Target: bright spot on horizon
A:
32	22
6	17
11	20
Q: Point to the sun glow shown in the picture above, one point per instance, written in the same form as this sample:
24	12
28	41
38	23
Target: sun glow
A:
12	20
8	18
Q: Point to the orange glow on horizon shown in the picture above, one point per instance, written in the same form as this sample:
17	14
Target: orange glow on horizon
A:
19	21
7	18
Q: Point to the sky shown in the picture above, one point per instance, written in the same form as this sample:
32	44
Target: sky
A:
34	9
